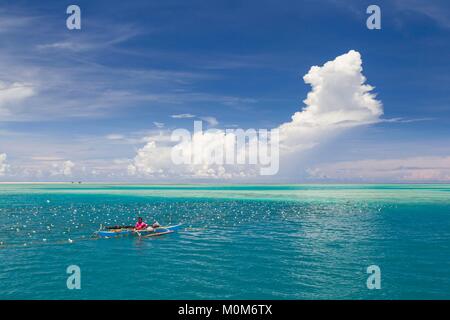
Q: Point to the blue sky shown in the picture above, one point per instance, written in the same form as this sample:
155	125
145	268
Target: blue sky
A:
94	96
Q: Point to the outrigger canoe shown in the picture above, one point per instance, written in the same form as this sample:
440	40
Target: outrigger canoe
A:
112	232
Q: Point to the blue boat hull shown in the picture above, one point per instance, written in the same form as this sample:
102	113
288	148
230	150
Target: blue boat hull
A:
109	234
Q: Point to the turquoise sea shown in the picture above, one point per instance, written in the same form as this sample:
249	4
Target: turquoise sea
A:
239	241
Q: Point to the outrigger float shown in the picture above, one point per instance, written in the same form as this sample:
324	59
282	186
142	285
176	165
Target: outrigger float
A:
119	231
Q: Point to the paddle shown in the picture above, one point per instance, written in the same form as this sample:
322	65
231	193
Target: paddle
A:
158	234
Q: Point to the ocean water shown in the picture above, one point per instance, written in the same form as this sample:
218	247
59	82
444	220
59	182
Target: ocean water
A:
238	242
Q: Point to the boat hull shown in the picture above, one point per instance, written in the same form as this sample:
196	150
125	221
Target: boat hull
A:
126	232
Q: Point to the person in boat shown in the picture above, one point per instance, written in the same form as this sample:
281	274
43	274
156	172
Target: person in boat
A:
140	224
156	224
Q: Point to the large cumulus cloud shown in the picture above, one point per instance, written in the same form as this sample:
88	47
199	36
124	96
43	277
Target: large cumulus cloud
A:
339	99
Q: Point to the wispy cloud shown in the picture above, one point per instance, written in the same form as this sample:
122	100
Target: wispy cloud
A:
3	164
183	116
115	136
405	120
12	22
11	94
211	121
159	125
437	10
99	40
424	168
46	158
63	75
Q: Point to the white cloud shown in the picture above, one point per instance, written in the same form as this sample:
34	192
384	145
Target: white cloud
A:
183	116
3	165
13	93
67	168
154	160
339	99
403	169
211	121
115	136
62	168
150	160
159	125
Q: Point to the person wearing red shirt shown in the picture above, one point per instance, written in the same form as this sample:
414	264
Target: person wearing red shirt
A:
140	225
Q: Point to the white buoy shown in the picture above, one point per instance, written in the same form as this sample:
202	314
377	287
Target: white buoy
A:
70	240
